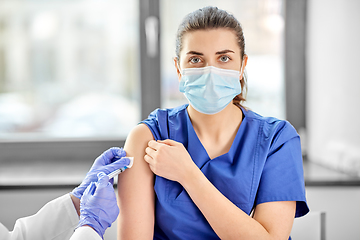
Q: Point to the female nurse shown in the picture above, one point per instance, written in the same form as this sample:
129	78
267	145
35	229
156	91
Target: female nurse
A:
211	169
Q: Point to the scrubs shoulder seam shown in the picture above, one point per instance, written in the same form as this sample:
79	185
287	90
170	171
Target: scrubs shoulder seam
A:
255	158
277	129
171	116
269	120
176	114
278	133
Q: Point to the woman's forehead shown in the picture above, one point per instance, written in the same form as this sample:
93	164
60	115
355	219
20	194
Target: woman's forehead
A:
210	41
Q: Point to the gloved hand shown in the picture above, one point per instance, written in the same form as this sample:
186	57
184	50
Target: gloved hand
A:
98	207
106	162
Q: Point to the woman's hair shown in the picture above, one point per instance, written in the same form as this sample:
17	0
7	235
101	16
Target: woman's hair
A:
212	18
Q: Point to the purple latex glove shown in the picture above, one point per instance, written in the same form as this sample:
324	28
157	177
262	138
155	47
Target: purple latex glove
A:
98	206
107	162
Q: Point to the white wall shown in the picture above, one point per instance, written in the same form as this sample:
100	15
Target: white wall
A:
333	83
342	209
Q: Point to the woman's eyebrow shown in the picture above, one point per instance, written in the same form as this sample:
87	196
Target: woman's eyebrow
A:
225	51
195	53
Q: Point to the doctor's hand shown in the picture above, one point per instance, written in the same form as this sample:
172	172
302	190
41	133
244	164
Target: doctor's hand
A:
107	162
169	159
98	206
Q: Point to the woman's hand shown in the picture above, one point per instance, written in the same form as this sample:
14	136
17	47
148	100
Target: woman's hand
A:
169	159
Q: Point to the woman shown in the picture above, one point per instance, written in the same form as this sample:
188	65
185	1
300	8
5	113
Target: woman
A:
221	171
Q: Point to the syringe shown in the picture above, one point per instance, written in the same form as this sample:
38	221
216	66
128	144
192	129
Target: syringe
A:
118	171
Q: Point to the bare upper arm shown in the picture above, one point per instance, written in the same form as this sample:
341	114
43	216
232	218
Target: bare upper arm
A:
276	217
136	195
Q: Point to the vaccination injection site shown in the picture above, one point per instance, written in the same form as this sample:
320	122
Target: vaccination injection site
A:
181	119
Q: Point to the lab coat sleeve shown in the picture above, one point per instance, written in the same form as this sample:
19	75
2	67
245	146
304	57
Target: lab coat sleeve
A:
57	220
85	233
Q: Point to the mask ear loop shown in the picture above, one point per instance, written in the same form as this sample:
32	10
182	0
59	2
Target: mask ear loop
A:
242	70
178	66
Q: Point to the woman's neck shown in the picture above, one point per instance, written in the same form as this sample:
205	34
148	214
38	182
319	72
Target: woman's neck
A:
216	125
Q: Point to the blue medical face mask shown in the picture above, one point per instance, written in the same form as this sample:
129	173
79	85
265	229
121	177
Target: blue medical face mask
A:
210	89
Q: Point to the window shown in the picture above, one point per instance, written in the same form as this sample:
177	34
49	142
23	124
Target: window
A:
68	69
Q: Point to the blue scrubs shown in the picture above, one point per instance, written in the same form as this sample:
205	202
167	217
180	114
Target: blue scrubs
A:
264	164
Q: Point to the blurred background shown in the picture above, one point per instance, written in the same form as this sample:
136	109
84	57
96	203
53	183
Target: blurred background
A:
71	69
76	76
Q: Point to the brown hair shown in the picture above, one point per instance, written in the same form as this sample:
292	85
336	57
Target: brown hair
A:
212	18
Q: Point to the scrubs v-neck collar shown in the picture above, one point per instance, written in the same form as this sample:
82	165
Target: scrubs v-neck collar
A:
198	152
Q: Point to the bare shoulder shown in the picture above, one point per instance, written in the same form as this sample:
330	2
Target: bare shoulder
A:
135	145
136	142
139	134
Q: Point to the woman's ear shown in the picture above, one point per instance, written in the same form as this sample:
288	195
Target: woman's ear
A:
244	63
177	66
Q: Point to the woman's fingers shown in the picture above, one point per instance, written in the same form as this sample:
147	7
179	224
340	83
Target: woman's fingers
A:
153	144
157	146
148	159
168	142
150	151
150	155
168	159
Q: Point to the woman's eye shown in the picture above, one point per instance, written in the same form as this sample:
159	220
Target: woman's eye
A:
224	58
195	60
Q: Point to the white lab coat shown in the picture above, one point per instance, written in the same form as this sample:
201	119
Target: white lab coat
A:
57	220
85	232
